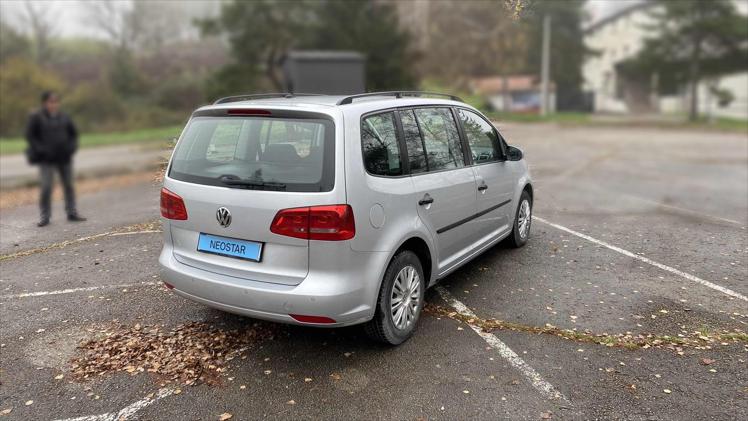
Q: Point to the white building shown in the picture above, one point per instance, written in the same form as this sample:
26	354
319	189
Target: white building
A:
621	36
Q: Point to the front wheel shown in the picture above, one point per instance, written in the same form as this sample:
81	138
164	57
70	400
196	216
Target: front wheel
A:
522	221
400	300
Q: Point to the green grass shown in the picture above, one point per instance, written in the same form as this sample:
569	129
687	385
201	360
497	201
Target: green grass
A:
88	140
727	124
561	117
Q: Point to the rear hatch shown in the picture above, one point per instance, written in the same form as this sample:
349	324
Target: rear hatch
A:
234	170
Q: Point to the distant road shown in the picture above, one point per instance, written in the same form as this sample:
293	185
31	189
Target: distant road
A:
108	160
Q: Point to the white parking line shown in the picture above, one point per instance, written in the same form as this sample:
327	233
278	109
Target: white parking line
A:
126	412
73	290
648	261
546	389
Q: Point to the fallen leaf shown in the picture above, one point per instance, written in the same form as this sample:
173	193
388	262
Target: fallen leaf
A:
291	402
307	379
6	411
546	415
177	391
668	391
244	386
225	416
59	376
29	403
188	353
707	361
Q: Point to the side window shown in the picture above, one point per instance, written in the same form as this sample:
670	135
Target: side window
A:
379	143
440	138
413	142
484	144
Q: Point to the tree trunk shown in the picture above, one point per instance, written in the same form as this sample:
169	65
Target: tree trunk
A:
695	70
694	76
271	73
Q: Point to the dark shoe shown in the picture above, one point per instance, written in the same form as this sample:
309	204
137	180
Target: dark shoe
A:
76	218
43	223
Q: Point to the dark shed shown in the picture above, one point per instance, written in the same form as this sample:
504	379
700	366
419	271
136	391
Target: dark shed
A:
324	72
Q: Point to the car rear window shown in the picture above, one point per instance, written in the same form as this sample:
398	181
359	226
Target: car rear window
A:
268	153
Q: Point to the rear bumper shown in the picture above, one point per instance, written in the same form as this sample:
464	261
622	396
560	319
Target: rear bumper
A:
346	292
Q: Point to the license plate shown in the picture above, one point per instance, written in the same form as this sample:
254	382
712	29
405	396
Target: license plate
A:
230	247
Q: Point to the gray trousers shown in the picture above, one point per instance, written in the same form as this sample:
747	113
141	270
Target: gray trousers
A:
47	180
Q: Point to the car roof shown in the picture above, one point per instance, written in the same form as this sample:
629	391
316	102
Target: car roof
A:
354	103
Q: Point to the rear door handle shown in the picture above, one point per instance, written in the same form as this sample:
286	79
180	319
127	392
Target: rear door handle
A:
482	187
427	200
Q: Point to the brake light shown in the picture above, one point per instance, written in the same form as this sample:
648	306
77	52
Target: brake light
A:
327	223
172	206
244	111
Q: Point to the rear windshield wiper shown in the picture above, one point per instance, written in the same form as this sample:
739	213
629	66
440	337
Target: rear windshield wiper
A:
232	180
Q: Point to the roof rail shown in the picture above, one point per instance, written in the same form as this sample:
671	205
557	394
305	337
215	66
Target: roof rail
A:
396	94
246	97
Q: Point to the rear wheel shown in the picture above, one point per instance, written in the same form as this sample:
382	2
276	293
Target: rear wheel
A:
522	221
400	300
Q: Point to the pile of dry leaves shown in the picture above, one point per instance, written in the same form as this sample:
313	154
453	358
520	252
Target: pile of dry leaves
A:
189	353
694	339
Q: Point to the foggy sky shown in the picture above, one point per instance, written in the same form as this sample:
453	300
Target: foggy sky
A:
72	14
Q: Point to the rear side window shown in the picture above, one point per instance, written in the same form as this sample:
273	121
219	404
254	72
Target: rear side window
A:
440	138
481	136
380	146
285	154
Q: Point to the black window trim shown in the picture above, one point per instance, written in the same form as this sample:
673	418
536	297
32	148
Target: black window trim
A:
499	137
405	163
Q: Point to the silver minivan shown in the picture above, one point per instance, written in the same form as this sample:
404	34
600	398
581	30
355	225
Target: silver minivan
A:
336	210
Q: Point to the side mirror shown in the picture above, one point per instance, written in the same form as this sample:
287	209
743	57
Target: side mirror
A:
514	153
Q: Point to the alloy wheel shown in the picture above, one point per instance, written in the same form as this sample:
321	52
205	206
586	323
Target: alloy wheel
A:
405	298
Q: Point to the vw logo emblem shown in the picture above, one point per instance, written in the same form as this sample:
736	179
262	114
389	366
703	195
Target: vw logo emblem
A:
223	216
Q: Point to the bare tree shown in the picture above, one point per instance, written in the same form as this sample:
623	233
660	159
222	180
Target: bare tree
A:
145	25
472	39
42	27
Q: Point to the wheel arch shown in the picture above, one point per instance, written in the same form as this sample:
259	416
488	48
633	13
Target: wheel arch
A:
528	188
422	250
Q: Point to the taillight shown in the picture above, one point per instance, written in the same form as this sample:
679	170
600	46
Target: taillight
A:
328	223
172	206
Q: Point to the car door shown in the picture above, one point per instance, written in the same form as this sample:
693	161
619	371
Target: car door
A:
445	186
493	175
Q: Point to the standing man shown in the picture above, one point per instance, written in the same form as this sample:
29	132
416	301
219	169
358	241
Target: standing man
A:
53	140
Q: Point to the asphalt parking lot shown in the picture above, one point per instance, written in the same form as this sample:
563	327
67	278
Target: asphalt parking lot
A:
629	302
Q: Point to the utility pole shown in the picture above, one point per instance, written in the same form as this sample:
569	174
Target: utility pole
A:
545	67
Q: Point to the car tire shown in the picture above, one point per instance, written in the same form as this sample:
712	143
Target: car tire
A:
397	285
522	221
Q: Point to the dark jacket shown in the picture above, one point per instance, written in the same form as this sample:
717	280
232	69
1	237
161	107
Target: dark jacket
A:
51	139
